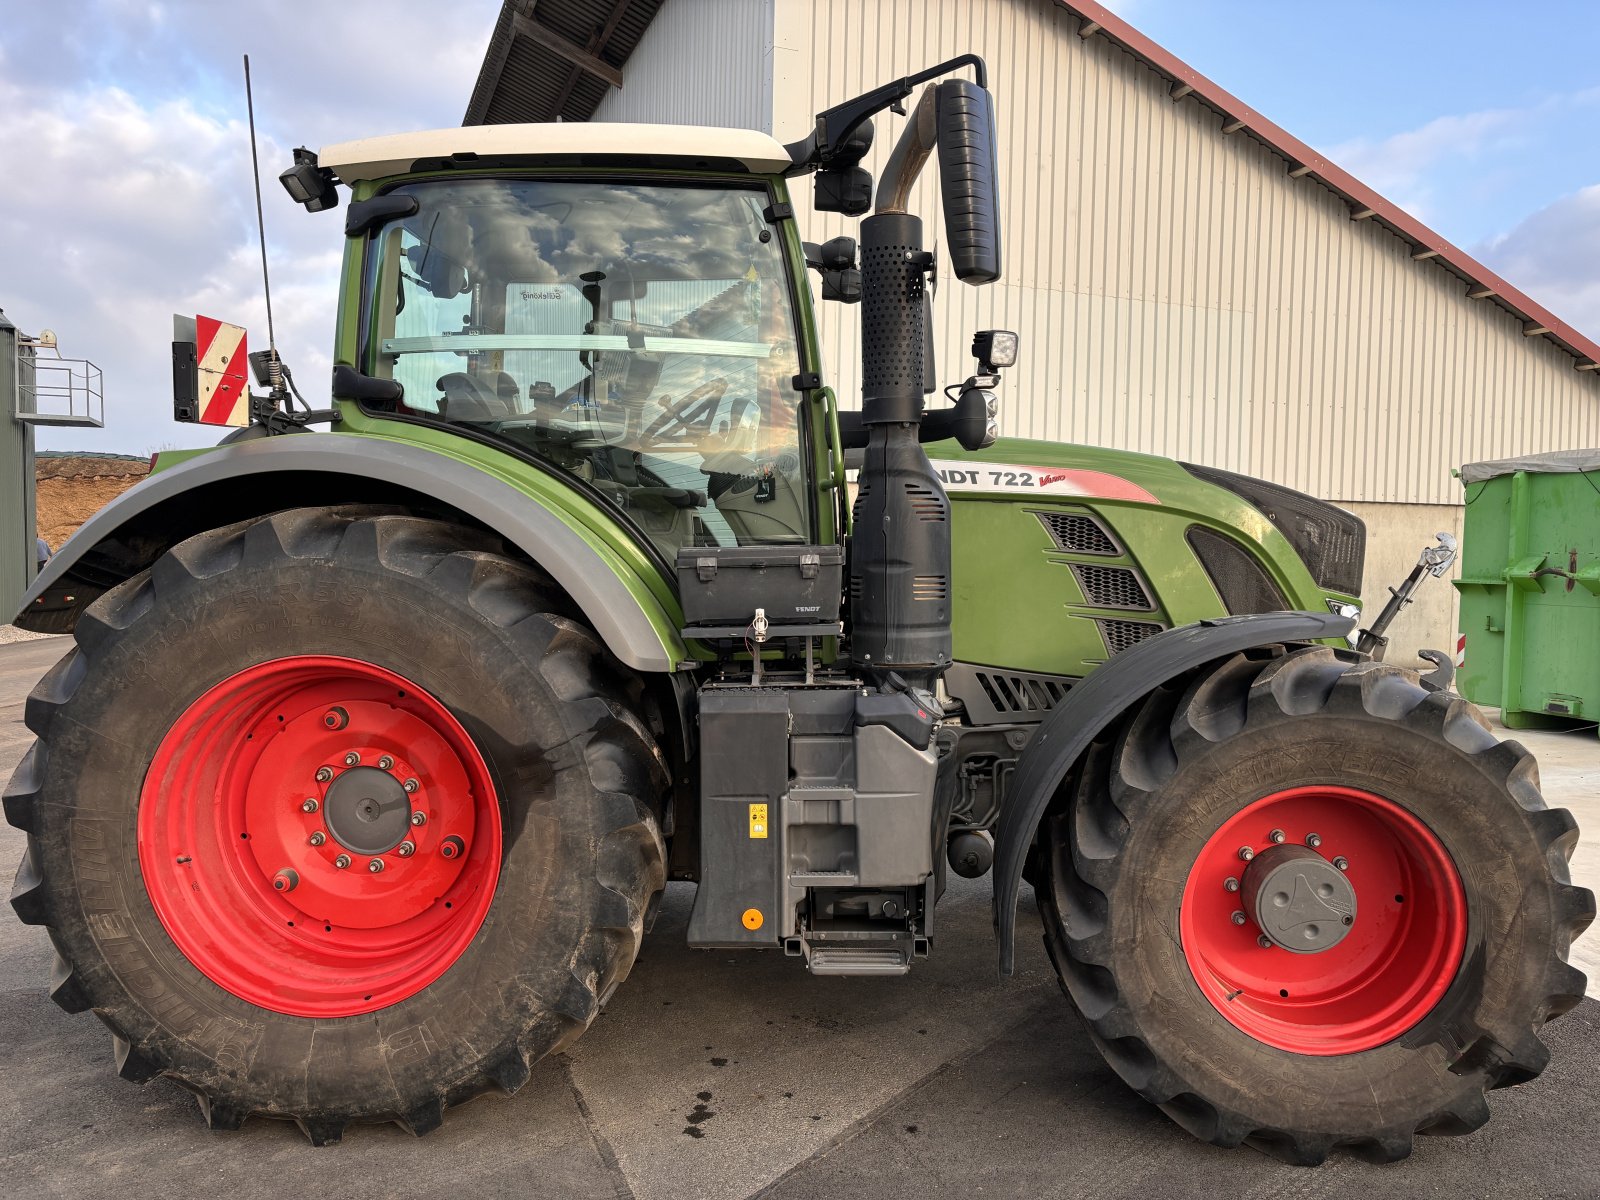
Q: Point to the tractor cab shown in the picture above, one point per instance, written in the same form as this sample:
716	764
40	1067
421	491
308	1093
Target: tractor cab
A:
636	330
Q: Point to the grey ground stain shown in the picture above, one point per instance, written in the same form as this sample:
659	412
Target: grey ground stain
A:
718	1062
911	1128
702	1095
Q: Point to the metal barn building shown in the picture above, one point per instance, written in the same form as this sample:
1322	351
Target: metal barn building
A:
1188	279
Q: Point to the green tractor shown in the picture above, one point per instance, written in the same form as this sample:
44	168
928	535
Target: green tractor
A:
378	746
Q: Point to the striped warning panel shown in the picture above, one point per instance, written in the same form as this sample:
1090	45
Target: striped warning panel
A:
224	394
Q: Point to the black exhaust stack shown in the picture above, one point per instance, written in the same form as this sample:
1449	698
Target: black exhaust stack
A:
900	553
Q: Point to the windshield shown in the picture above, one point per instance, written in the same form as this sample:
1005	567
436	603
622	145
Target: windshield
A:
639	336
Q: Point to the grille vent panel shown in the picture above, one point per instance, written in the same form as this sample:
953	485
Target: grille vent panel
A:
926	503
1242	584
1119	635
1112	587
929	587
1079	533
993	695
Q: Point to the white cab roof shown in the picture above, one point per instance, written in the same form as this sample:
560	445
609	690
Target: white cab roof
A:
393	154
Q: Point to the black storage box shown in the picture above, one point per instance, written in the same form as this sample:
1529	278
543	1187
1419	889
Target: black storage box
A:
794	585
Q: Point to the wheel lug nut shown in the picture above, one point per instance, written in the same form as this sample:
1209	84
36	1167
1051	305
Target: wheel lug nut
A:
1230	884
1238	918
411	785
419	818
1246	853
375	865
1313	840
452	846
1264	942
317	838
1342	863
385	763
324	774
406	849
1277	836
285	880
308	805
342	861
352	759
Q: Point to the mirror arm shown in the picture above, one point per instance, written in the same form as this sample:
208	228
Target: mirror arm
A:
835	125
910	153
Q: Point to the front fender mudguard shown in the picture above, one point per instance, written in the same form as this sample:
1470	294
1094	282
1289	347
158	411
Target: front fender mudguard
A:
1098	701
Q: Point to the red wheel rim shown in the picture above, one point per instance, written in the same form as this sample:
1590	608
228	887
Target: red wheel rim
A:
1400	954
253	798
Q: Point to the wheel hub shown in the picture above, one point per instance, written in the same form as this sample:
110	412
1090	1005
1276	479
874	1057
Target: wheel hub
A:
367	811
1300	900
319	836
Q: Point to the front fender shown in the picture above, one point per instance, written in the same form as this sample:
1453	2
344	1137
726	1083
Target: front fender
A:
1094	704
252	478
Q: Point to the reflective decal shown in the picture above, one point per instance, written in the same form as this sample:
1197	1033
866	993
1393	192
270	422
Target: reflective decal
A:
1014	480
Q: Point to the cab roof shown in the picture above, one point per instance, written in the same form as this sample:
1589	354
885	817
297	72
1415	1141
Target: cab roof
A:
656	145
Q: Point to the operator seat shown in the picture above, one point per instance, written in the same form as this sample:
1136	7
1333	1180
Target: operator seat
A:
477	398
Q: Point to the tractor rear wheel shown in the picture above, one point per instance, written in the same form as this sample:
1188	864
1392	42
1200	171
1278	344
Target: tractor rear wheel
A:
1302	902
333	817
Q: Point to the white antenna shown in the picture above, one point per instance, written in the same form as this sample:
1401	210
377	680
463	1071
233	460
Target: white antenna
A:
274	369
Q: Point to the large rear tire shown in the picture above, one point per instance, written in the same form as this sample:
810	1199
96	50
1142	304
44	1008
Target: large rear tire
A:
333	817
1388	1006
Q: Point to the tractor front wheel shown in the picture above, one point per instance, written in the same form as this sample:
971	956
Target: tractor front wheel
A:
333	816
1303	902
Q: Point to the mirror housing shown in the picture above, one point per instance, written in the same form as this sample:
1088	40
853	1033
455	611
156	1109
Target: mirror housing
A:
969	180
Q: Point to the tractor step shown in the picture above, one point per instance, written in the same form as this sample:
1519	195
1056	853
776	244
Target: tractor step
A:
859	960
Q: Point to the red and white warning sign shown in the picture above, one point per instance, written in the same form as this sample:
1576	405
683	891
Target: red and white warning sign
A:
223	391
1461	649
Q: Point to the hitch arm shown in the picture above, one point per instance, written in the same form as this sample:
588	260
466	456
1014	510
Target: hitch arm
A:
1434	560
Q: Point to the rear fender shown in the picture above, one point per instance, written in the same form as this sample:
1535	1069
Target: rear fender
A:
253	478
1094	705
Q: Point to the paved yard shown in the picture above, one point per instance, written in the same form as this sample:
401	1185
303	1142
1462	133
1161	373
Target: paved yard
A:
721	1075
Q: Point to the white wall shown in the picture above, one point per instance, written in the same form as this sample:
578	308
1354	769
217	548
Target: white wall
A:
701	62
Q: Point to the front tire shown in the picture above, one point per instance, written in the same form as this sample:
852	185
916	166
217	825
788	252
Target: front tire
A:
244	730
1386	1008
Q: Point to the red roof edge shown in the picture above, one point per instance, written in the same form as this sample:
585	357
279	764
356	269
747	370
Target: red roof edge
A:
1424	240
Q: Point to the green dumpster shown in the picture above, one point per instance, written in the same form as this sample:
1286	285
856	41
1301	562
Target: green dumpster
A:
1530	588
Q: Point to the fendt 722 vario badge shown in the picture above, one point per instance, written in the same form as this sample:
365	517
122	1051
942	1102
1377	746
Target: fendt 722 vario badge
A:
379	744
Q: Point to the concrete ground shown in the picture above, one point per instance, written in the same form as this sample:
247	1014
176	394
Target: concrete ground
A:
727	1075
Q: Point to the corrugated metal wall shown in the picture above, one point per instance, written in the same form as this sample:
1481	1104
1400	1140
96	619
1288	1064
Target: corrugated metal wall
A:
707	62
1177	292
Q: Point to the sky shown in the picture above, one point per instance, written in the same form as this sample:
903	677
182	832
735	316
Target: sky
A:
125	186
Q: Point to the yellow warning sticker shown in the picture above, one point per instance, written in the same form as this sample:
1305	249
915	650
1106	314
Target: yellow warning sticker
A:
758	820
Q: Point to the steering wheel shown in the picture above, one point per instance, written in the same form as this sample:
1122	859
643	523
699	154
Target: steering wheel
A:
683	411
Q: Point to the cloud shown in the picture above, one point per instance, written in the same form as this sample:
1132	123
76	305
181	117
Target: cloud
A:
1554	256
135	201
1423	169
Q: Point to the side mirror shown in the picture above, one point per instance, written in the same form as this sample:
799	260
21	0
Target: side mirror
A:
968	180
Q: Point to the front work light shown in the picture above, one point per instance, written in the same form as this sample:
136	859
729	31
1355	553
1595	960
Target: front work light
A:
994	349
310	184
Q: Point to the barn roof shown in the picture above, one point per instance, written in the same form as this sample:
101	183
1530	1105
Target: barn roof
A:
555	59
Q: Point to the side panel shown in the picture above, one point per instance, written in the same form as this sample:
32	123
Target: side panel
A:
1056	579
1095	704
629	604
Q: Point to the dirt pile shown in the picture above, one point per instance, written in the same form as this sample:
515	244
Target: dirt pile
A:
69	489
